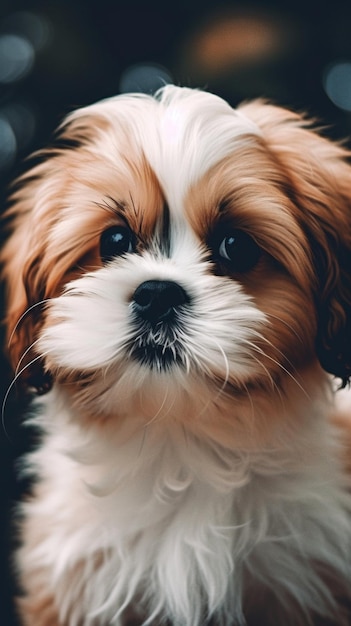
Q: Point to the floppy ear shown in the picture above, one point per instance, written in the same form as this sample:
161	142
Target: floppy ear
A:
25	286
39	251
31	267
318	181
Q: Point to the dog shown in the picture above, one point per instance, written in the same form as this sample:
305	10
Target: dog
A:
179	306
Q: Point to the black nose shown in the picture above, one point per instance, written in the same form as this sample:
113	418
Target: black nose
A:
157	300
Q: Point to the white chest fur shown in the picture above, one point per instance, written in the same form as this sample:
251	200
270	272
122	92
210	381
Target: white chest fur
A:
184	526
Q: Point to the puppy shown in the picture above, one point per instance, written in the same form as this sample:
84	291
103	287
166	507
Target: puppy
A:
179	292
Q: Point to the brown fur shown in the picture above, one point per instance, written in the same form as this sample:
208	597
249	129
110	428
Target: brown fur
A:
290	189
36	609
319	181
50	256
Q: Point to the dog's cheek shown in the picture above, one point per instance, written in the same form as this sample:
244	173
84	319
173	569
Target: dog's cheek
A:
82	333
289	335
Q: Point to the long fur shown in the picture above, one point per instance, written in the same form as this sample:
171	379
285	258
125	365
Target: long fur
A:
203	482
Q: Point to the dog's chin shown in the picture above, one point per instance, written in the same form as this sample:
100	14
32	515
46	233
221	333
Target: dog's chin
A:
158	370
158	346
157	357
155	381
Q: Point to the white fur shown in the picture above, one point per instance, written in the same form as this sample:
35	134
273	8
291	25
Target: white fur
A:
187	522
191	506
104	296
184	519
172	134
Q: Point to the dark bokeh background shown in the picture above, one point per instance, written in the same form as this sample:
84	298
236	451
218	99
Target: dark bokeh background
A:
56	55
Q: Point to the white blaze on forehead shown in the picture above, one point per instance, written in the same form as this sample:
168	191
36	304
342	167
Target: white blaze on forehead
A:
196	131
181	132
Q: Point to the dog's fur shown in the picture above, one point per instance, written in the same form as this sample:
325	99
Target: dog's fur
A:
189	472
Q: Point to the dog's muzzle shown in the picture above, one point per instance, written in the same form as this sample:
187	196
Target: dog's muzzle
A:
156	301
157	309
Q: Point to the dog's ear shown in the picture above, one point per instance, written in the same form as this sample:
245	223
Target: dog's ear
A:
318	181
25	284
40	251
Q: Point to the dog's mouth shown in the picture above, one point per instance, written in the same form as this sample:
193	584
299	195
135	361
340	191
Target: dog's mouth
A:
157	347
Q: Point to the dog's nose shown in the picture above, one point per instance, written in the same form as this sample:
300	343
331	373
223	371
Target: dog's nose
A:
157	300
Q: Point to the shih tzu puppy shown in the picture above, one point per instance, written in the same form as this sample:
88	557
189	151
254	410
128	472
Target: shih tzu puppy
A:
179	293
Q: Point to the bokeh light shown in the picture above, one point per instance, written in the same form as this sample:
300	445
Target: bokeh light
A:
8	144
34	27
16	57
237	39
337	84
22	120
144	78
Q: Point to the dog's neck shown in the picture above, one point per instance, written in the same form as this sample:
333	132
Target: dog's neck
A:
251	420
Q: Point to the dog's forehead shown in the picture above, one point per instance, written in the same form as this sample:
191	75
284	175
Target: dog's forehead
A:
181	133
195	131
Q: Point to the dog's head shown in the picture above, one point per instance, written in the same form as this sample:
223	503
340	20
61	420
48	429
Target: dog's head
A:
173	245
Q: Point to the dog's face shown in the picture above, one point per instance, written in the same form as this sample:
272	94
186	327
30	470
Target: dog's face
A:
176	252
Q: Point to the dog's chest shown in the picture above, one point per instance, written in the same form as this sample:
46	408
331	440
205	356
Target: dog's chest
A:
181	522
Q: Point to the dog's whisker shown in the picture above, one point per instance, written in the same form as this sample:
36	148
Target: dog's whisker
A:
143	439
11	386
276	362
159	413
285	323
25	353
290	375
224	382
277	350
24	315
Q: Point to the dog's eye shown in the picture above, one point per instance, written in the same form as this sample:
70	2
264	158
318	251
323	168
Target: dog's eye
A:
238	250
116	241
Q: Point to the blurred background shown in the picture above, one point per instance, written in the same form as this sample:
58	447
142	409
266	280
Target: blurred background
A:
57	55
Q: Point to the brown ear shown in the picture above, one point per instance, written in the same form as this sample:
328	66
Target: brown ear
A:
44	250
32	265
24	297
334	333
318	181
